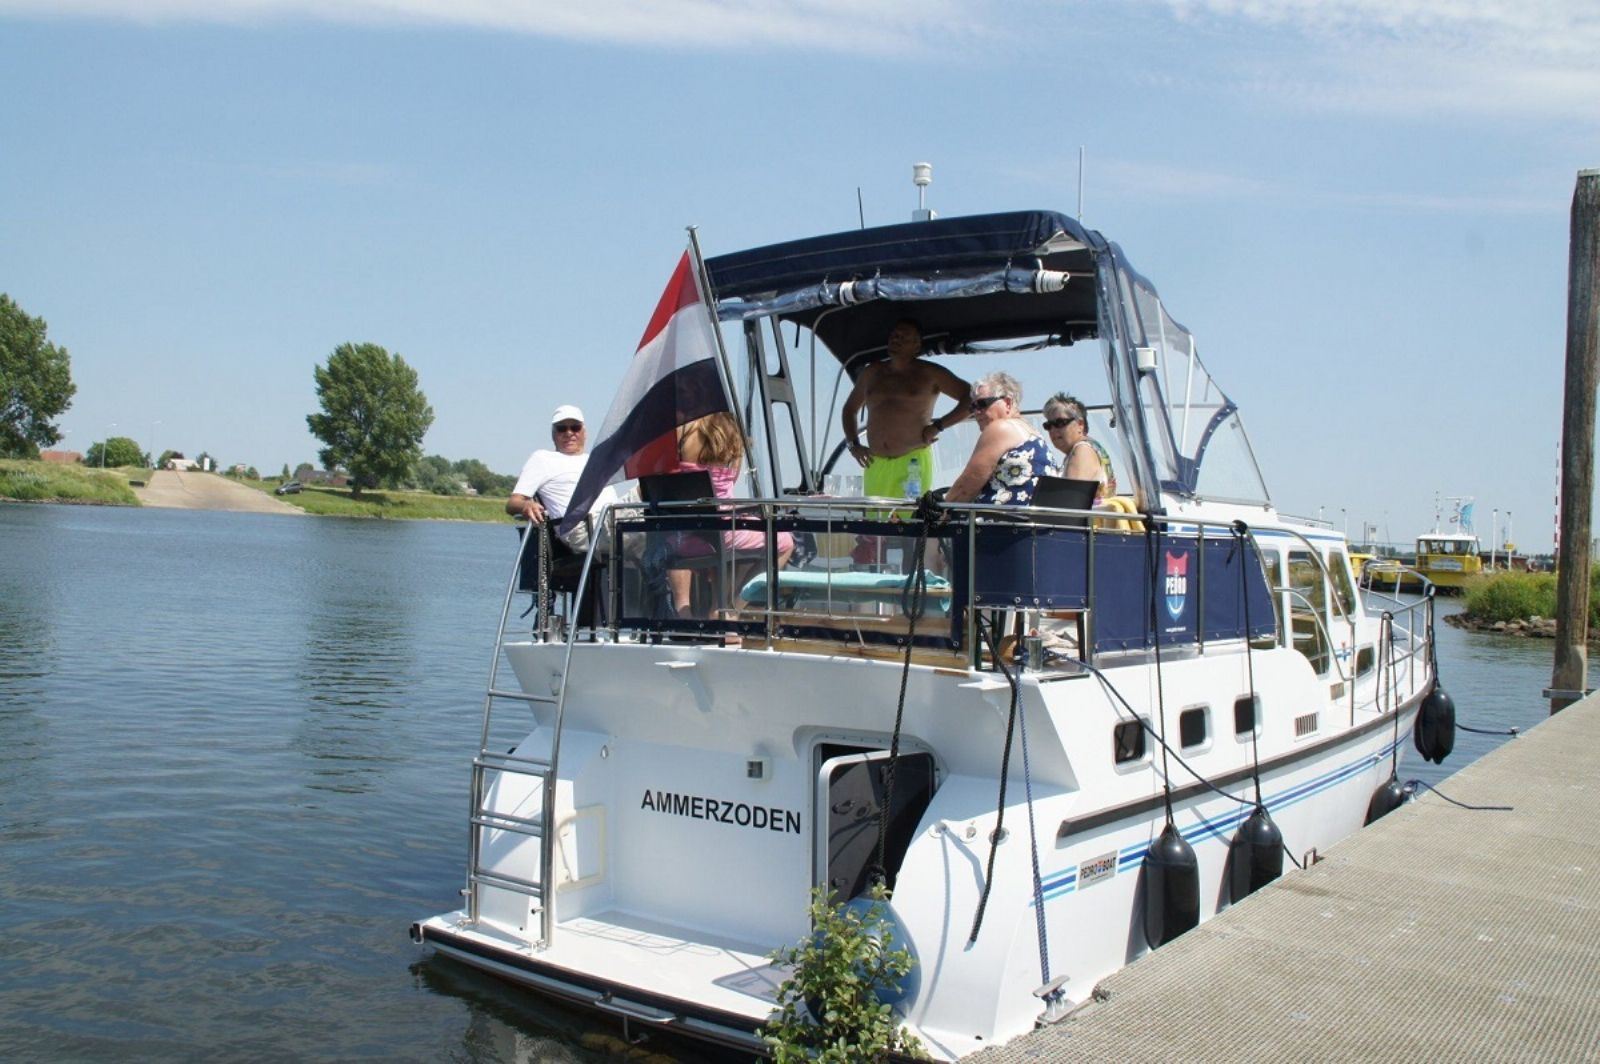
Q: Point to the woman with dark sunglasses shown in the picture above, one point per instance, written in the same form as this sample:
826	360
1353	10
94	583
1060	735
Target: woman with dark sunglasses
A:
1010	455
1084	459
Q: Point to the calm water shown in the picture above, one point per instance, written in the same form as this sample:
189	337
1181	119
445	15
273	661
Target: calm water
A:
233	769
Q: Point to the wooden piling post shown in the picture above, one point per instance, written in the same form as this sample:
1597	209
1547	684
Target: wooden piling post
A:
1570	676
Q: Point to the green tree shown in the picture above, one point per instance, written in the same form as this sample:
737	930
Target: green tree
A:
433	474
167	456
373	415
117	451
35	383
285	473
479	477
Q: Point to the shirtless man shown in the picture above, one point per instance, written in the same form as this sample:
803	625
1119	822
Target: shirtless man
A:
899	396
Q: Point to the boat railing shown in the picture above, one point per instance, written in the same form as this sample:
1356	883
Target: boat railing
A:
1409	640
1088	582
1312	612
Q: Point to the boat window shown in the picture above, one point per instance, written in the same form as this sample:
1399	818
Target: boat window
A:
1305	576
1244	714
1273	564
1343	589
1127	740
1192	729
1366	658
1307	608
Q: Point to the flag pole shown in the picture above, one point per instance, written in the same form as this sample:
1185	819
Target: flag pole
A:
724	368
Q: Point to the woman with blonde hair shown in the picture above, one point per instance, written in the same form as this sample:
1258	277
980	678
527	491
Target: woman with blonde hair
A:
715	445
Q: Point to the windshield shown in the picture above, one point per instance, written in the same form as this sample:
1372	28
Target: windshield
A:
1197	439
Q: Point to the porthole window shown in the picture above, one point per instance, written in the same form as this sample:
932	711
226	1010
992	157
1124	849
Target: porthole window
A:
1128	741
1192	727
1244	714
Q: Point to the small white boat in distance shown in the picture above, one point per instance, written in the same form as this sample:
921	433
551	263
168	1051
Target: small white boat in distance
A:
1061	735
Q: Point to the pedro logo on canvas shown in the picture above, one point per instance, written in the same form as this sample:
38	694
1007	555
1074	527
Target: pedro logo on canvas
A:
1177	584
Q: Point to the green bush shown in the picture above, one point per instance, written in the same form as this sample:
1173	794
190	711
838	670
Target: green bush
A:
1512	596
47	482
828	1008
1518	596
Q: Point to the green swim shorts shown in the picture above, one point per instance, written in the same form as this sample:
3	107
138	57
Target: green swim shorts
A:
886	477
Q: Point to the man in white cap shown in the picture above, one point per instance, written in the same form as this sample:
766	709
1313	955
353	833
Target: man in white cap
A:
544	488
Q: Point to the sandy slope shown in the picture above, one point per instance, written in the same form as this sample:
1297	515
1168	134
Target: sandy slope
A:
208	491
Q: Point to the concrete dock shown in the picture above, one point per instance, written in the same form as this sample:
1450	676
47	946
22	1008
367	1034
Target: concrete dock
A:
1437	934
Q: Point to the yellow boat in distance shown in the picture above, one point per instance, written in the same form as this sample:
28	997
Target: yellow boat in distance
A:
1447	560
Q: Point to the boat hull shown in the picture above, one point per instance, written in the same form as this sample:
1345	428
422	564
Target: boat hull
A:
671	928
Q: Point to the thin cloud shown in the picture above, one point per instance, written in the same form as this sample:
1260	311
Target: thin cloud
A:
1421	57
1152	181
884	26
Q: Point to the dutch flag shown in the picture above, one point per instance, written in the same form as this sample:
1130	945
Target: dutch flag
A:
672	380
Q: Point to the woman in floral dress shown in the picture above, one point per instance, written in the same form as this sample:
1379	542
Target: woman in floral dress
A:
1010	455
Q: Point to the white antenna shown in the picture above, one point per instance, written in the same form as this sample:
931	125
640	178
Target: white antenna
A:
922	177
1080	182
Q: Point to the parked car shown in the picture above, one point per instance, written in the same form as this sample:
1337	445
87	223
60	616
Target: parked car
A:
288	487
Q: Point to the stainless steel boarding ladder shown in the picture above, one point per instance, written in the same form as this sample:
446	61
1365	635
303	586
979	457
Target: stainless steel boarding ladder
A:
537	887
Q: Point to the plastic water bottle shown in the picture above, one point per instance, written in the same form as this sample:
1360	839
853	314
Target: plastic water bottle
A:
914	479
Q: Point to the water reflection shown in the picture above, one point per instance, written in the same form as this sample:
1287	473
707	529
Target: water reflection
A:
355	666
27	658
506	1024
1495	681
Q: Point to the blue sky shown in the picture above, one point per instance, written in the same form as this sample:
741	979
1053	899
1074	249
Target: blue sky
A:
1359	207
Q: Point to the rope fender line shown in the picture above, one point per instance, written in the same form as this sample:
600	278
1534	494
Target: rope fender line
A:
913	603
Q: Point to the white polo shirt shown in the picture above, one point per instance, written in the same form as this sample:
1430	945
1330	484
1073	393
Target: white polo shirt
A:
553	477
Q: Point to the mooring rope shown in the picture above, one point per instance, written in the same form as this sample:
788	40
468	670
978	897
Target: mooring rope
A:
1412	785
1512	732
1033	833
1000	815
1152	546
1240	532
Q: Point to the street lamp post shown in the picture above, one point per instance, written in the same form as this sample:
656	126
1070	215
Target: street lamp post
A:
1494	537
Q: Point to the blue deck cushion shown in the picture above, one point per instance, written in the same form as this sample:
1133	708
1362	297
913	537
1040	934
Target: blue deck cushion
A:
812	586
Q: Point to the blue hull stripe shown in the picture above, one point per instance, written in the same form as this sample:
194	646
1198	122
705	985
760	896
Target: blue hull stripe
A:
1131	857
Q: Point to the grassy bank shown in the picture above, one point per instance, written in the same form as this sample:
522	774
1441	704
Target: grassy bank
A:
28	481
1519	596
401	505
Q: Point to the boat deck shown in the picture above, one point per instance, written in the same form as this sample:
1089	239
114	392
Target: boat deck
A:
626	950
1440	933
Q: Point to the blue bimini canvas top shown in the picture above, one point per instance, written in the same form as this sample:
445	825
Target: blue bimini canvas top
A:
969	279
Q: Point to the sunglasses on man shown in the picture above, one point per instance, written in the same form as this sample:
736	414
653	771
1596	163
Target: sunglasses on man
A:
569	426
1058	423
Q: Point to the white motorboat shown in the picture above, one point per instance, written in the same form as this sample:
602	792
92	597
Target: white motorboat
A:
1021	718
